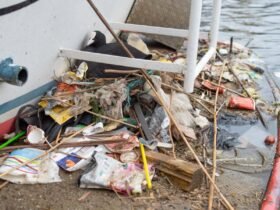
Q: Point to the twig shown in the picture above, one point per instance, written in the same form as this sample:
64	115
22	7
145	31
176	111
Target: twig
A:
220	107
211	192
3	185
170	131
64	145
205	107
121	199
204	154
149	81
84	196
121	71
58	136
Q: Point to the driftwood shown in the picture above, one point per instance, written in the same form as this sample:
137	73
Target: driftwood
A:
181	173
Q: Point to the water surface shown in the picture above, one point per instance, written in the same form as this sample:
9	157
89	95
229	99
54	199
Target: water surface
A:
253	21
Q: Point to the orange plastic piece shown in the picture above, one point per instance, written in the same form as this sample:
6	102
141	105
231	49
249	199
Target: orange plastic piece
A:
237	102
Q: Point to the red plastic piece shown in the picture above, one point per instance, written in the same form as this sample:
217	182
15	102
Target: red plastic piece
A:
207	84
269	140
237	102
63	87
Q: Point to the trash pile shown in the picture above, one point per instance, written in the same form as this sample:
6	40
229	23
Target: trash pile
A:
118	134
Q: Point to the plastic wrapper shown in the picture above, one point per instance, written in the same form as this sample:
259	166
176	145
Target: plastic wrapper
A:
109	173
74	158
159	124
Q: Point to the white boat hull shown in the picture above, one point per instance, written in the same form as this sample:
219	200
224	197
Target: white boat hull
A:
32	36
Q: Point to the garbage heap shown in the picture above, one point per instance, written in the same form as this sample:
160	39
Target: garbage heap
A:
119	135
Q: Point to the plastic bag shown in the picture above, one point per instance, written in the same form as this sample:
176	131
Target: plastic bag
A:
43	170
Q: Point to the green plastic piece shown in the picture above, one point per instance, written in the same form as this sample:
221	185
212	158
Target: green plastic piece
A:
11	140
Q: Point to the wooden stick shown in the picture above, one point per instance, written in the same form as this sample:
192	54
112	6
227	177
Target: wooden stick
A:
211	192
63	145
4	184
205	107
84	196
149	81
220	107
58	136
170	131
121	71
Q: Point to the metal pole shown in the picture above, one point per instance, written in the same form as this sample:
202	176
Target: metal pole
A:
217	6
194	26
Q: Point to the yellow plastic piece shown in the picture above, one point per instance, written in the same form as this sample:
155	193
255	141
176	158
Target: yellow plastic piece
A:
61	114
145	164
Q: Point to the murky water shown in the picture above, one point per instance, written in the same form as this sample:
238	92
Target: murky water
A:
253	21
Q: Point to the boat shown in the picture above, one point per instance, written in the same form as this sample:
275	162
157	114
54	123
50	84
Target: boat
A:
31	35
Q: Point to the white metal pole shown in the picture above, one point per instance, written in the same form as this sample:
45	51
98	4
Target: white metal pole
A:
217	6
194	27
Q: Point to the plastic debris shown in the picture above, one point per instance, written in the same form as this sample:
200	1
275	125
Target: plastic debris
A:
73	159
225	139
40	171
237	102
207	84
159	125
135	41
117	108
109	173
35	135
128	157
126	146
95	129
111	97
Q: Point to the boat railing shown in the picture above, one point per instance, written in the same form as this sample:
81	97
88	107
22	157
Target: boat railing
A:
191	70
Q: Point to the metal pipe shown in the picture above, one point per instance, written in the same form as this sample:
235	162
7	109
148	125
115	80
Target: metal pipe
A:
217	6
11	73
194	26
204	61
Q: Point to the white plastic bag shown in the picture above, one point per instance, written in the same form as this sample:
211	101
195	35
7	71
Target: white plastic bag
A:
43	170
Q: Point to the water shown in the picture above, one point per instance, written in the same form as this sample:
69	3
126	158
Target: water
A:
257	21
